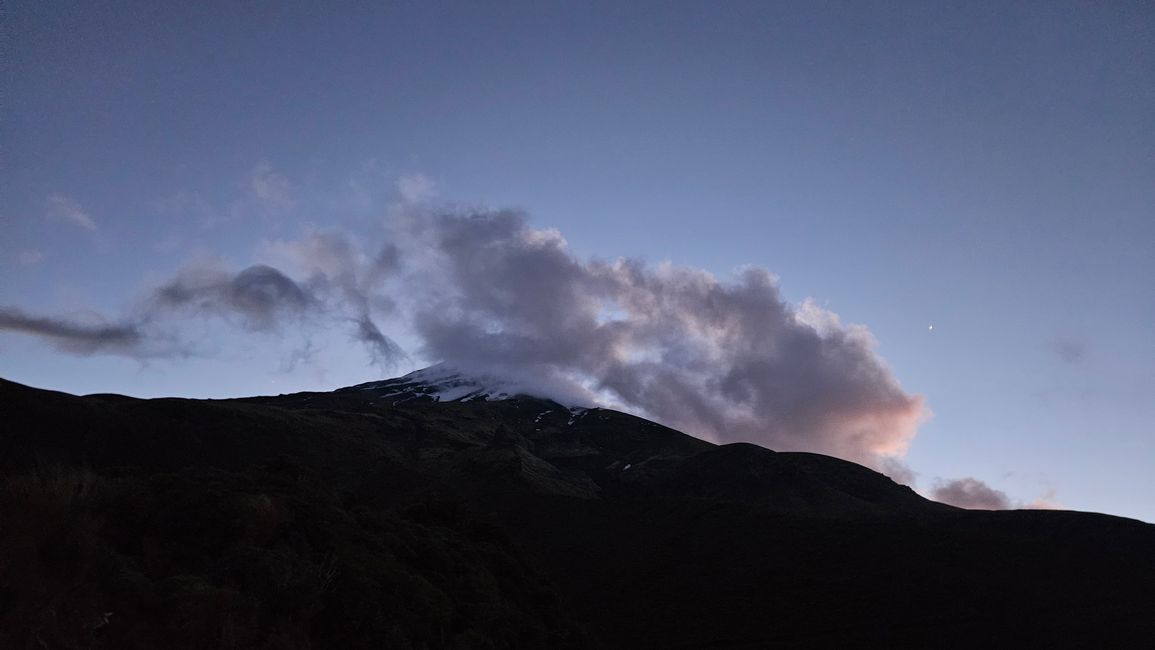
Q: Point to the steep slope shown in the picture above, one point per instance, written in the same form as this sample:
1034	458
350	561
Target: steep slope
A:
353	518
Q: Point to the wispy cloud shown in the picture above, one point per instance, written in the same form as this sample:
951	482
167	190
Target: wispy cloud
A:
334	290
415	188
74	336
351	280
269	191
188	206
260	192
64	209
1046	502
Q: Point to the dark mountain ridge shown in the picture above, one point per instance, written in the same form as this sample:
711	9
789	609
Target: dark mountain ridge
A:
435	511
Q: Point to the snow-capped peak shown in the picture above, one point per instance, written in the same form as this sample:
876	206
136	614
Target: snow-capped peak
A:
442	383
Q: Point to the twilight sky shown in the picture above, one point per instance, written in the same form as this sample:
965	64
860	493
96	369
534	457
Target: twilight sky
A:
920	235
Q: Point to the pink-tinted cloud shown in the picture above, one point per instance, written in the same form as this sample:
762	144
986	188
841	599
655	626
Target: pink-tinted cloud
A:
1045	502
970	493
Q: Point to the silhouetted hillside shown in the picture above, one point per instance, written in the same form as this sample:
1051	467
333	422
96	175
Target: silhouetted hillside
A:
385	517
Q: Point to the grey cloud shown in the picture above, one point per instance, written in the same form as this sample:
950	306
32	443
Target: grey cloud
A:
339	282
71	336
898	471
382	349
339	285
729	360
970	493
260	295
352	282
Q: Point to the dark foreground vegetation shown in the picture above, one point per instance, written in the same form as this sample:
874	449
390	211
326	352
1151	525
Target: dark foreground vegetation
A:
333	521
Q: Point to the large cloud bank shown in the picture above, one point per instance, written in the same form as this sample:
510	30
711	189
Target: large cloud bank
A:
729	360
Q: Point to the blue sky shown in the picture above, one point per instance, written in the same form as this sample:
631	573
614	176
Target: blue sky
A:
985	168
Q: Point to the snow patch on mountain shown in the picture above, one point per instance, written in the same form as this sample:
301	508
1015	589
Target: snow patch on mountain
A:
446	383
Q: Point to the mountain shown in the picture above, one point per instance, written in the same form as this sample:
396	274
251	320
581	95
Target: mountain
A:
440	383
447	510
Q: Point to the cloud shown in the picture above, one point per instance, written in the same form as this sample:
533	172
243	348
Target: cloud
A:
897	470
730	360
415	188
190	206
382	349
258	298
262	191
268	190
336	285
61	208
259	295
974	494
350	279
970	493
72	336
1045	502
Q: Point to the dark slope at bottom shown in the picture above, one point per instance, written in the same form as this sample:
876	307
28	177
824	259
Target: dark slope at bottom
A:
323	520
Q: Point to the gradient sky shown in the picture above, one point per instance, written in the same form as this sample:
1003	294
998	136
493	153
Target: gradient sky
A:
974	182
